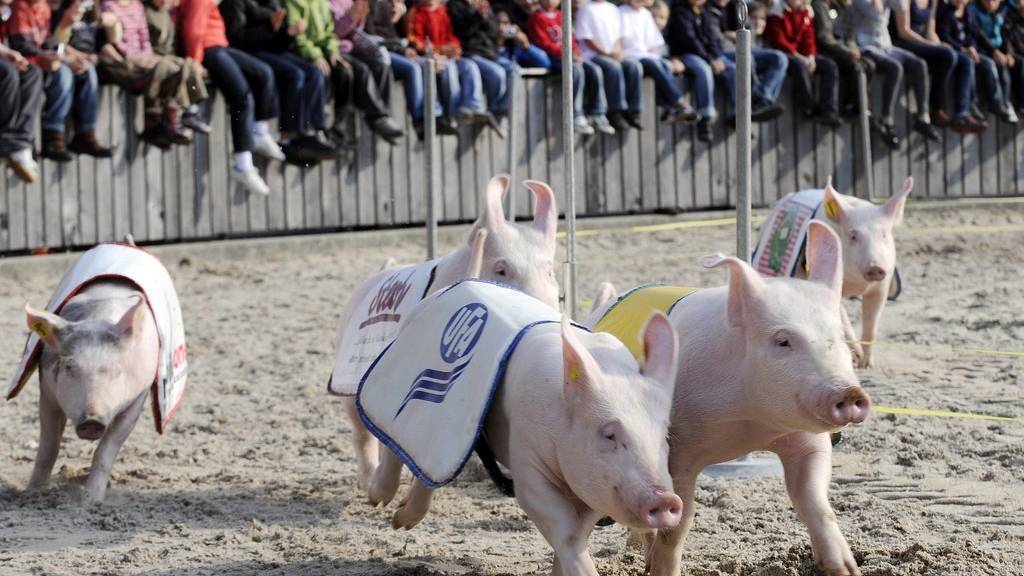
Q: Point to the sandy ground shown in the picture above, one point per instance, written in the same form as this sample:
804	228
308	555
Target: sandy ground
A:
256	475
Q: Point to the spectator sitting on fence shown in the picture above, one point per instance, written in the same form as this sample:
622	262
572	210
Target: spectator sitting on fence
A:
458	78
1013	37
246	83
21	90
790	28
953	30
643	42
985	22
477	30
770	65
599	32
868	21
128	60
515	44
163	38
70	81
258	27
545	29
381	27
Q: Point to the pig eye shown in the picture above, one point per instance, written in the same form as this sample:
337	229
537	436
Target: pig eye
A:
782	340
501	269
608	432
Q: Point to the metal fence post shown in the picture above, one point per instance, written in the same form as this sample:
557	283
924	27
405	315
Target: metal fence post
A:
429	143
865	131
568	149
743	134
513	190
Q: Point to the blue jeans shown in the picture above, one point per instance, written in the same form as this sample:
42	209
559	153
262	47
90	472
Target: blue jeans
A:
623	83
893	64
494	75
704	83
249	88
767	77
66	92
529	57
942	62
587	88
410	74
668	91
996	82
459	86
302	91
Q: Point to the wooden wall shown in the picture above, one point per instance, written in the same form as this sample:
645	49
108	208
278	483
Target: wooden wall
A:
185	193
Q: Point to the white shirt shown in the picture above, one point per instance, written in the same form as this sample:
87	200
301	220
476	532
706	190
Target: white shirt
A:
599	22
640	35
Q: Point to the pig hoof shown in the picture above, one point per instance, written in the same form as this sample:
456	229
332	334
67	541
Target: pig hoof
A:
407	518
381	491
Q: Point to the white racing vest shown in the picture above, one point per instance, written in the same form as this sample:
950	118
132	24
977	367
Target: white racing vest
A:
374	322
428	394
134	265
782	244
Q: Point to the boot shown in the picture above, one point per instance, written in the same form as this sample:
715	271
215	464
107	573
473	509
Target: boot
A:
85	143
54	147
176	133
153	133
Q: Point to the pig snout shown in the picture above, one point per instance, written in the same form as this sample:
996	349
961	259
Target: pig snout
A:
874	274
91	428
849	406
663	510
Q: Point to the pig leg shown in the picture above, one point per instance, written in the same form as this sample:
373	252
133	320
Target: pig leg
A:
874	303
415	506
807	464
365	443
51	428
559	522
665	556
384	482
851	336
106	452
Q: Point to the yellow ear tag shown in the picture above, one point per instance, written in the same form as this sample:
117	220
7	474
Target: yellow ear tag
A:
574	372
832	209
41	328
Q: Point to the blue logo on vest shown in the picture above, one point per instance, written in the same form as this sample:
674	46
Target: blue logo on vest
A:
463	331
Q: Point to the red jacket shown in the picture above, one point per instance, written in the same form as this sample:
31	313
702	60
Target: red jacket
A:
201	27
434	24
792	32
28	28
545	30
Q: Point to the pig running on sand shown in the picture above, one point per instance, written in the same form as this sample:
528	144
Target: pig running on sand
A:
517	255
763	366
584	433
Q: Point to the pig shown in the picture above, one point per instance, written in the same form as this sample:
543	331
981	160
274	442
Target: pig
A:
584	433
518	255
97	365
869	257
763	366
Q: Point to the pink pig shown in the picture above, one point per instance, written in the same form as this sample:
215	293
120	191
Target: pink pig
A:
98	363
763	366
584	433
518	255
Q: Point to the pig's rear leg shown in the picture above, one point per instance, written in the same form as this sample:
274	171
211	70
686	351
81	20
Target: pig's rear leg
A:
566	530
415	506
51	428
106	453
365	444
384	482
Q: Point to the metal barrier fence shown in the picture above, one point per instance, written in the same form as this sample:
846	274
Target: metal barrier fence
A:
185	193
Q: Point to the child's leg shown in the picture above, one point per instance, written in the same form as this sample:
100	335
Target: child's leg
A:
703	84
828	83
470	87
593	78
770	68
633	78
614	83
802	84
988	76
890	71
665	83
495	83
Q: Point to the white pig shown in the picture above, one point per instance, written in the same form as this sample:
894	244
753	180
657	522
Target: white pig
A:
583	432
763	366
518	255
98	361
869	257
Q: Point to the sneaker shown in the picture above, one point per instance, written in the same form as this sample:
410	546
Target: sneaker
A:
446	126
1008	115
298	155
682	113
250	180
633	119
582	127
828	119
617	121
601	124
318	145
265	146
24	167
194	121
886	133
85	143
968	124
927	130
766	111
704	130
939	118
491	121
156	136
386	128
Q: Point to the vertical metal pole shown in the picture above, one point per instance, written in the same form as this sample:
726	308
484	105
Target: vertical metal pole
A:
429	143
568	148
513	189
743	134
865	132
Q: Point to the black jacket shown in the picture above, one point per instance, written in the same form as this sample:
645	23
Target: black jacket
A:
958	33
477	33
693	33
247	23
1013	31
829	34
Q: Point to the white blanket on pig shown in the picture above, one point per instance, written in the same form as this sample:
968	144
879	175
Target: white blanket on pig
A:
781	246
427	395
374	322
145	271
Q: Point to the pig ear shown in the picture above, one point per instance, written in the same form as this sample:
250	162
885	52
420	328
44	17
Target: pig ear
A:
834	205
745	287
545	213
476	253
493	217
46	325
894	206
661	348
131	321
579	367
825	256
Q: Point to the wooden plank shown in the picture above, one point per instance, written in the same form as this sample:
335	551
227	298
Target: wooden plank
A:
70	208
808	133
465	176
156	194
312	204
17	236
85	233
989	149
449	207
294	203
172	215
199	168
525	121
349	186
662	153
769	162
972	164
1006	183
846	144
222	193
5	213
398	169
786	129
121	168
919	159
724	167
185	161
135	168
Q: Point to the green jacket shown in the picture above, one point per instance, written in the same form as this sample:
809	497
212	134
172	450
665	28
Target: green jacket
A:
319	39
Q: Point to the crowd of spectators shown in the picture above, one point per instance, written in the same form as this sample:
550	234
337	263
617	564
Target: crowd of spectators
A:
282	61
